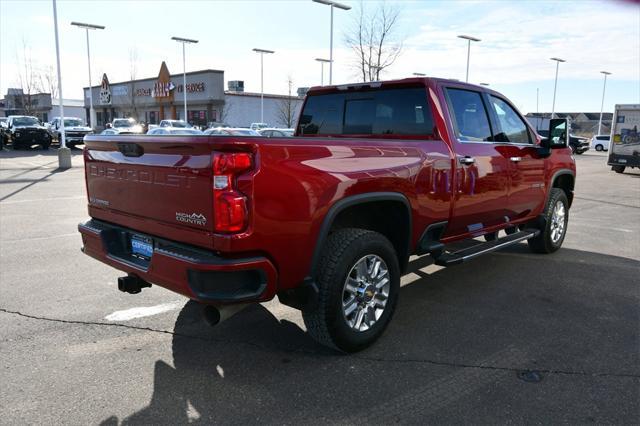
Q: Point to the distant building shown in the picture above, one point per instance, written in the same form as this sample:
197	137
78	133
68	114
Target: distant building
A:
40	105
582	123
72	108
154	99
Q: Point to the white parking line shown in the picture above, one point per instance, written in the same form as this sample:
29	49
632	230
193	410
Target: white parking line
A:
141	312
19	240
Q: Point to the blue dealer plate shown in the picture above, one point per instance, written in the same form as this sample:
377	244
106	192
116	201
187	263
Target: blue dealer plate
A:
141	246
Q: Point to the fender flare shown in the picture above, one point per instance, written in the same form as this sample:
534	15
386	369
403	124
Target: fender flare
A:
351	201
556	174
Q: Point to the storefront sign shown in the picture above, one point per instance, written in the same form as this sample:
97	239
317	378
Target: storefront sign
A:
143	92
193	87
120	91
163	88
105	91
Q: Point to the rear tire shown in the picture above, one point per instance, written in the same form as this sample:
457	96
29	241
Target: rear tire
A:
618	169
356	298
599	148
556	215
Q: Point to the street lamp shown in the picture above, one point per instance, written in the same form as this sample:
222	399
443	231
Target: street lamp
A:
64	153
419	74
555	85
332	4
606	73
184	70
469	40
262	52
322	62
87	27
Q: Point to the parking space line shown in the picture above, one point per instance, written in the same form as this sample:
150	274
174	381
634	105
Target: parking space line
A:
34	200
141	312
74	234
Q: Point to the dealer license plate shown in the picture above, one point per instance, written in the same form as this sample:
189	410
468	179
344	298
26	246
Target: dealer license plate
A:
141	246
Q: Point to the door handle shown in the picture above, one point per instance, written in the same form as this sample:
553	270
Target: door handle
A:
466	160
516	159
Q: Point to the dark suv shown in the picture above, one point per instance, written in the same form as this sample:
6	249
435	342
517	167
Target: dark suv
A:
25	131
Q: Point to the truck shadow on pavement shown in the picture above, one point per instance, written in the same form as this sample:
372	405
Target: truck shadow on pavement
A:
455	351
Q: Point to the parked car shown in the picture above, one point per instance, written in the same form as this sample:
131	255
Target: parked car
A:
3	131
214	124
74	130
234	131
174	131
277	133
114	131
328	219
175	123
578	144
258	126
600	142
25	131
126	125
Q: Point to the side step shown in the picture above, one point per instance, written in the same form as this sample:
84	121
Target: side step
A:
450	259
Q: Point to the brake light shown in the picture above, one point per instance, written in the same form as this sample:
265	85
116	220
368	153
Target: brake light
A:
229	204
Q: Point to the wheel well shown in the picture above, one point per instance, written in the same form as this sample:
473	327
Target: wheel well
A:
566	183
389	218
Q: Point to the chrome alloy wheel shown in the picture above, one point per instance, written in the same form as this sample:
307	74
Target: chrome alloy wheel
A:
557	222
366	292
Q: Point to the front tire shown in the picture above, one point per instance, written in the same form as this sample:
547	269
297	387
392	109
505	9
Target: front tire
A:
556	215
599	148
358	282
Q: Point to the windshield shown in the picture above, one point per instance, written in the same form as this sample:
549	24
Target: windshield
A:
72	122
123	123
180	124
25	121
186	132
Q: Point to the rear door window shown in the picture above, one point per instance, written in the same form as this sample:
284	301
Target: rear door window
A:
380	112
469	115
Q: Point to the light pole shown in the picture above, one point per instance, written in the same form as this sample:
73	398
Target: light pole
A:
64	153
606	73
87	27
469	40
419	74
262	52
332	4
322	62
537	99
184	71
555	85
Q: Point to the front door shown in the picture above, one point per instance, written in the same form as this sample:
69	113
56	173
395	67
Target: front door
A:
526	167
480	192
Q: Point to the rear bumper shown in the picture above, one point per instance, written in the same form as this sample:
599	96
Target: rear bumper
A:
193	272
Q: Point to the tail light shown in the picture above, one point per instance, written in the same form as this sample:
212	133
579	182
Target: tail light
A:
229	204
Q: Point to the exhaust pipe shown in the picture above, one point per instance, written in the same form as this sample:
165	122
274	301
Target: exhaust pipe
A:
215	314
132	284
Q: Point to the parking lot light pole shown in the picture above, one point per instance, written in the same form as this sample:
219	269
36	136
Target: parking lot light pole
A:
606	73
88	27
332	4
184	71
469	40
555	85
262	52
64	153
322	62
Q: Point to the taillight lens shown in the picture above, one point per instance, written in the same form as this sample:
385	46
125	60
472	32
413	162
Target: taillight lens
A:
229	204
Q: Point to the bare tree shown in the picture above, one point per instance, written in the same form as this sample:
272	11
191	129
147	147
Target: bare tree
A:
28	80
225	110
287	107
374	40
48	81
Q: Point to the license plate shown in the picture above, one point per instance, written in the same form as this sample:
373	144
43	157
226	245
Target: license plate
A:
141	246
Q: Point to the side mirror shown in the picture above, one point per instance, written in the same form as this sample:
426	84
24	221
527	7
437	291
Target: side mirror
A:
558	130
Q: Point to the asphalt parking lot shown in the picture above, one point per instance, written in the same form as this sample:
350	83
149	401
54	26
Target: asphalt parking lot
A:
511	337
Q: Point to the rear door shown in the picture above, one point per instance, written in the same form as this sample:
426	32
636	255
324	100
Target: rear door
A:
482	170
516	143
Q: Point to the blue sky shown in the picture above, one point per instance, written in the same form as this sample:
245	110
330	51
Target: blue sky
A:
518	38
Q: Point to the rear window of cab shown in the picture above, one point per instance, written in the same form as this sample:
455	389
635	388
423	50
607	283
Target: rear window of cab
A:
402	111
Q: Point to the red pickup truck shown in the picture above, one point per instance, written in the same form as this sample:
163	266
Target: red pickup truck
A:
326	220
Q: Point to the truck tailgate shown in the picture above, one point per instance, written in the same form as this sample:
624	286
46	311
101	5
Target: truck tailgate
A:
163	180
